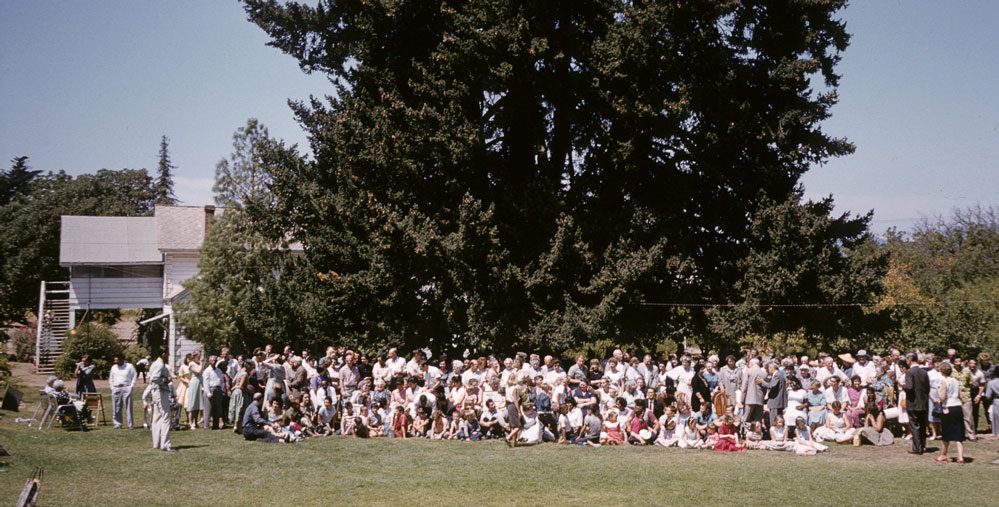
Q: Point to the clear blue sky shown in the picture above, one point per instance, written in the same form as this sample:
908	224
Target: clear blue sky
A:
91	85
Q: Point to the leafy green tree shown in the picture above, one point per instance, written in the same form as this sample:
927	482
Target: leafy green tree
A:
245	177
251	288
17	180
93	339
29	227
942	289
164	178
499	174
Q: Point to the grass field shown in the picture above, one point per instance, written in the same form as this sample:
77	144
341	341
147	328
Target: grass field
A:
118	467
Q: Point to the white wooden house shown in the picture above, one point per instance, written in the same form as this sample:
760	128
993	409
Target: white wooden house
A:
132	262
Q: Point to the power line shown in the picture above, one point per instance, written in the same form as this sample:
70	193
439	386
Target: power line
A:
821	305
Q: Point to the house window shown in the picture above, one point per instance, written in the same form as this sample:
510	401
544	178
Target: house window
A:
118	271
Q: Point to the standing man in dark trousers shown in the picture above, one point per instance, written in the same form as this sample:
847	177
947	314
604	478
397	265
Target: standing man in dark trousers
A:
917	400
212	384
776	385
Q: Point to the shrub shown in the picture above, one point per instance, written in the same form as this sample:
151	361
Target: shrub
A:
135	352
23	340
91	338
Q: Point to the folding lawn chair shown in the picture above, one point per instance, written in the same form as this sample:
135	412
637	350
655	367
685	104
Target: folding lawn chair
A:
95	402
43	401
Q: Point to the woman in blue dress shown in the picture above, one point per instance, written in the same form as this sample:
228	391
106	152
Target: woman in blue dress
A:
816	399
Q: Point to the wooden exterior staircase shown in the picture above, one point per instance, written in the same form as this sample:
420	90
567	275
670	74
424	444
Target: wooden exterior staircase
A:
53	324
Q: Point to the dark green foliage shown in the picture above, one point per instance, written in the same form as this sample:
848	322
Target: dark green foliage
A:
153	334
164	178
134	352
91	338
16	181
498	174
29	227
799	254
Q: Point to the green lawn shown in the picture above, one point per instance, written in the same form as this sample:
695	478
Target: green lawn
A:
118	467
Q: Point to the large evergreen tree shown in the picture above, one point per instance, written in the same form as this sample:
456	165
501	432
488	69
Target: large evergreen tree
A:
17	180
164	177
500	173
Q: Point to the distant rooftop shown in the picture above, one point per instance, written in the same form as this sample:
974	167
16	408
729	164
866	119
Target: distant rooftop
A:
108	240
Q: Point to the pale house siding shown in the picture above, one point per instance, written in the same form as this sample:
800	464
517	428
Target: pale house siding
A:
112	293
178	344
177	269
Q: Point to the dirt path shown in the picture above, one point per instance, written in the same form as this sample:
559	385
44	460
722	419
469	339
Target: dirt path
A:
25	375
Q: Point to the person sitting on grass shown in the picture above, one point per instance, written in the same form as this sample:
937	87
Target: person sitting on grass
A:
690	438
804	444
324	418
728	435
348	423
400	423
875	431
469	429
438	426
454	425
421	423
668	436
778	436
711	438
533	432
490	422
589	434
837	427
611	433
254	427
639	427
754	435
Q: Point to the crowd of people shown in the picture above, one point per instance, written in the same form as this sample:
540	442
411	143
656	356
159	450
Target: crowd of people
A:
745	401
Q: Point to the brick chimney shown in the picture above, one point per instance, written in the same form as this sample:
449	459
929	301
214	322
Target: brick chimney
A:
209	215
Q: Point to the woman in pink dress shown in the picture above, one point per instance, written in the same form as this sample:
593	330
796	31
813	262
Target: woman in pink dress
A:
728	436
858	401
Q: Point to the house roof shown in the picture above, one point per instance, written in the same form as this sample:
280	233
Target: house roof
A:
136	240
181	228
108	240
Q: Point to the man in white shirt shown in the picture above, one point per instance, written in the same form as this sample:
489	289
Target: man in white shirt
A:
431	376
227	363
474	371
829	369
555	372
864	369
381	369
212	386
395	363
121	380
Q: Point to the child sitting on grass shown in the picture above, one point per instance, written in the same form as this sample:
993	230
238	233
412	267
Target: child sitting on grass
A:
711	438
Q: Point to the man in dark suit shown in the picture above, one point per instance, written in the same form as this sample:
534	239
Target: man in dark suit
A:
917	399
777	391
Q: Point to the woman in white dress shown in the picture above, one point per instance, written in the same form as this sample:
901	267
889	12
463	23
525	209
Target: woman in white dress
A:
796	403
